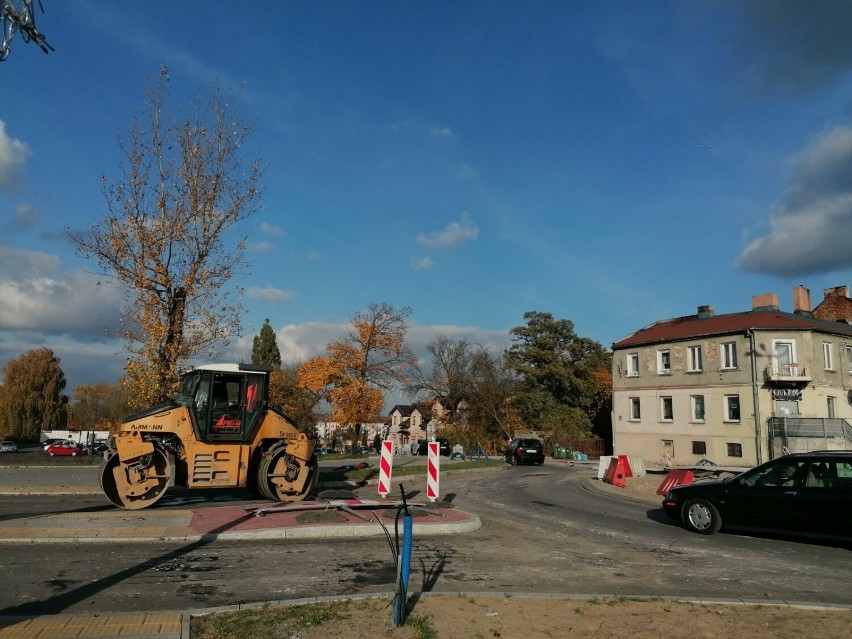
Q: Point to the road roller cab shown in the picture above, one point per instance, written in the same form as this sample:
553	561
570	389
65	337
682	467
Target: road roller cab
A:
218	432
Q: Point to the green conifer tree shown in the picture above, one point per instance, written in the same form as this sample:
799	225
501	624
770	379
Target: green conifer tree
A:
264	348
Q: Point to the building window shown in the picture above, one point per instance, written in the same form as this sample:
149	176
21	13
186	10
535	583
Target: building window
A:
694	359
666	409
698	408
732	408
729	355
830	405
735	450
664	362
633	365
849	359
827	356
784	358
635	413
699	448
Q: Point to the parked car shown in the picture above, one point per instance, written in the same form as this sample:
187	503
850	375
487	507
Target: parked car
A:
444	447
8	447
800	494
63	448
525	451
49	442
367	450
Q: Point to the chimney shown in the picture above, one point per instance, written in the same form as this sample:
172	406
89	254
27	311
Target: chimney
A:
765	302
837	291
802	300
705	312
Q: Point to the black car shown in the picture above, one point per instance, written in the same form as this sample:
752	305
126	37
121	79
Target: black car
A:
525	451
800	494
443	447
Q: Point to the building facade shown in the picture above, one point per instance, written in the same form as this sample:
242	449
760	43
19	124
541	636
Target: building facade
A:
737	389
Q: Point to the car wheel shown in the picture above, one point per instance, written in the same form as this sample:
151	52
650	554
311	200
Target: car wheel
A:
50	453
700	516
73	454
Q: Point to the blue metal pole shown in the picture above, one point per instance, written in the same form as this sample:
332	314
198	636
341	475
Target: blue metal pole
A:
403	571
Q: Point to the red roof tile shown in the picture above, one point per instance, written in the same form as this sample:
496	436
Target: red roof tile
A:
691	326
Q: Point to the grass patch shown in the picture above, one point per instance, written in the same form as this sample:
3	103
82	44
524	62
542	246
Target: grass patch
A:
365	474
267	622
422	626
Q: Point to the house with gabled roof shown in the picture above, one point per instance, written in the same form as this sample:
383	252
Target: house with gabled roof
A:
409	424
737	388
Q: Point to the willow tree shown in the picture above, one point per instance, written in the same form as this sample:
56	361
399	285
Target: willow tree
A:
168	236
357	370
32	397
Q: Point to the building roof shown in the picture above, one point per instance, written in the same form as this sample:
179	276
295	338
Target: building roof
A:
695	326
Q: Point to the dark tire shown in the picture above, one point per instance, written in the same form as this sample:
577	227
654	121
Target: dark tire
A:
701	516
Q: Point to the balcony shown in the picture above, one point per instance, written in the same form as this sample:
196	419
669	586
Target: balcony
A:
787	373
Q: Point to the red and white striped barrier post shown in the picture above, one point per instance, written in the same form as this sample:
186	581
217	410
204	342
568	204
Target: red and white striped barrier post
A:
433	472
385	468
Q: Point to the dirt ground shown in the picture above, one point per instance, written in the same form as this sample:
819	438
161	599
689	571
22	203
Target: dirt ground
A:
511	617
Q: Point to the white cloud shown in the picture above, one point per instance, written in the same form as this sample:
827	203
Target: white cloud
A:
465	171
299	342
455	234
271	230
26	216
423	263
441	131
13	156
261	247
270	294
811	231
78	304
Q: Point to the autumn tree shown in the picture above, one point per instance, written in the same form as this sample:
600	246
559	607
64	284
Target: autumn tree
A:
169	235
563	376
296	402
264	348
32	396
98	406
358	369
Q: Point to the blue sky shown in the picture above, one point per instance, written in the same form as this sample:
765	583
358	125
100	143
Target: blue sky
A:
611	163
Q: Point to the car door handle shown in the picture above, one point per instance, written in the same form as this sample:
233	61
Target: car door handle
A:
792	492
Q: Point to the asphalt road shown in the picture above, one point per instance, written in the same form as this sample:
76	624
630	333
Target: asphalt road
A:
542	532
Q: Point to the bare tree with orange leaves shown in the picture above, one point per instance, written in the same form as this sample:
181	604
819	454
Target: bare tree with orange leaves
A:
169	239
358	369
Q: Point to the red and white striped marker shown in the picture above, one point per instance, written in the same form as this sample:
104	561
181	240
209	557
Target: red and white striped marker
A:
385	468
433	472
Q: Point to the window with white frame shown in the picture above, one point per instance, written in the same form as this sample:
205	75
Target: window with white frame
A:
784	358
635	410
698	408
633	365
664	361
827	356
729	355
666	409
732	408
694	359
